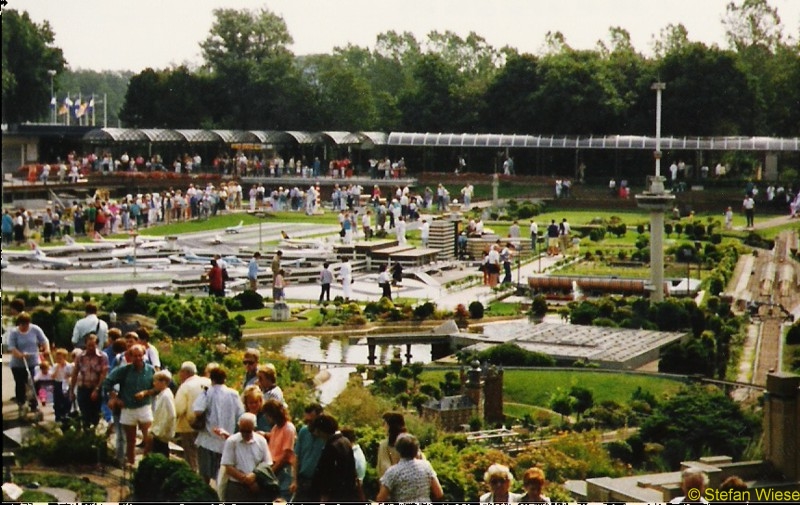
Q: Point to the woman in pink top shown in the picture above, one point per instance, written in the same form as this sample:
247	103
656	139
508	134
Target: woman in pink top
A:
281	443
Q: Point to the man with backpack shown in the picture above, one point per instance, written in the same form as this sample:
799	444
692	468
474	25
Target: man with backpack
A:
91	324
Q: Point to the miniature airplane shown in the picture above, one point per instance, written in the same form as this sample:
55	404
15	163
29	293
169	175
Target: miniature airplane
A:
235	229
147	262
190	257
70	247
40	257
298	243
110	263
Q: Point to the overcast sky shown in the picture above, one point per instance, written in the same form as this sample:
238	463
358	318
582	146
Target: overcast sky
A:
133	35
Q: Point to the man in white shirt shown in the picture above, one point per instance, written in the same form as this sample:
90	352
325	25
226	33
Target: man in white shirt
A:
514	233
242	453
90	324
401	230
163	428
346	273
425	232
534	235
365	224
191	386
563	235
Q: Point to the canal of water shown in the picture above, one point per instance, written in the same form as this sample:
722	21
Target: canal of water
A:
339	356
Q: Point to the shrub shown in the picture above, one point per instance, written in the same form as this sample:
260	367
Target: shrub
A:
539	306
72	446
668	229
424	311
597	234
716	238
640	229
793	335
160	479
250	300
678	228
476	310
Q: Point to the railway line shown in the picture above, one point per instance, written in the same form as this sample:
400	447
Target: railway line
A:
772	295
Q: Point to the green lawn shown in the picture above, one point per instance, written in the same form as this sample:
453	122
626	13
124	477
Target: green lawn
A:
535	387
519	411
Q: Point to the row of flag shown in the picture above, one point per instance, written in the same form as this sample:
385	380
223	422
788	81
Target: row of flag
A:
76	108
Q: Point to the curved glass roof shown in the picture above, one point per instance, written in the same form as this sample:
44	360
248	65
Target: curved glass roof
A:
304	137
272	136
159	135
341	138
199	136
367	140
591	142
115	135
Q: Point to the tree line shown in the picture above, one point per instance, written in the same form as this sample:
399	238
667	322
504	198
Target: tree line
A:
249	79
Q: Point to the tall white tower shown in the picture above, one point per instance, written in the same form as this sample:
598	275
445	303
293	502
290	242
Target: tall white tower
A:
657	200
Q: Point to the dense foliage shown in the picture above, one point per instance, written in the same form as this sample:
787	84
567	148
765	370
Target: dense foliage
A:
699	421
160	479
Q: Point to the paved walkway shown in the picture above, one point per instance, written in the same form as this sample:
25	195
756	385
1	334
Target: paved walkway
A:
365	285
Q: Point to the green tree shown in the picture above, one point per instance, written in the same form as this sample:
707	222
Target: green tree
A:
707	93
519	78
108	85
562	403
430	105
672	38
584	399
345	99
28	55
702	420
752	23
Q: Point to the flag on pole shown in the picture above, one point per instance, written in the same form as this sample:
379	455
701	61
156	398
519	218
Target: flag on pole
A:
91	105
53	102
82	109
75	107
62	110
67	101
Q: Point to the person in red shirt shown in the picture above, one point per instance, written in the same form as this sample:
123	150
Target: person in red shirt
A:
215	280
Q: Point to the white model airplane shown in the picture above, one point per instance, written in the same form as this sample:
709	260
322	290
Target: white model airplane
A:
110	263
40	257
234	261
147	262
309	243
128	250
70	247
235	229
190	257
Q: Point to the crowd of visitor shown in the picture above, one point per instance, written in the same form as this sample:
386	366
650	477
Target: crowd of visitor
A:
231	434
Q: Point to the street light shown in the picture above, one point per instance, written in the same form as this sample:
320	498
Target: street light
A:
688	254
53	103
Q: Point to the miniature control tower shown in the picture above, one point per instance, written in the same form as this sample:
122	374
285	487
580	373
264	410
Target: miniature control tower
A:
657	200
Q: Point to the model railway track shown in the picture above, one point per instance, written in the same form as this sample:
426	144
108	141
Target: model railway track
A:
774	284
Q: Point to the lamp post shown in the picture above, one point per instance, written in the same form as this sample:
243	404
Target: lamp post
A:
53	103
135	244
688	253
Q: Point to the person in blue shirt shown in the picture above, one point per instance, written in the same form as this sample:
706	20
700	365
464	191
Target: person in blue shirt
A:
252	270
25	342
8	227
307	450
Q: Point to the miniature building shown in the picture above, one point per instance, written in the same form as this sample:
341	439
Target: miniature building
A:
482	397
